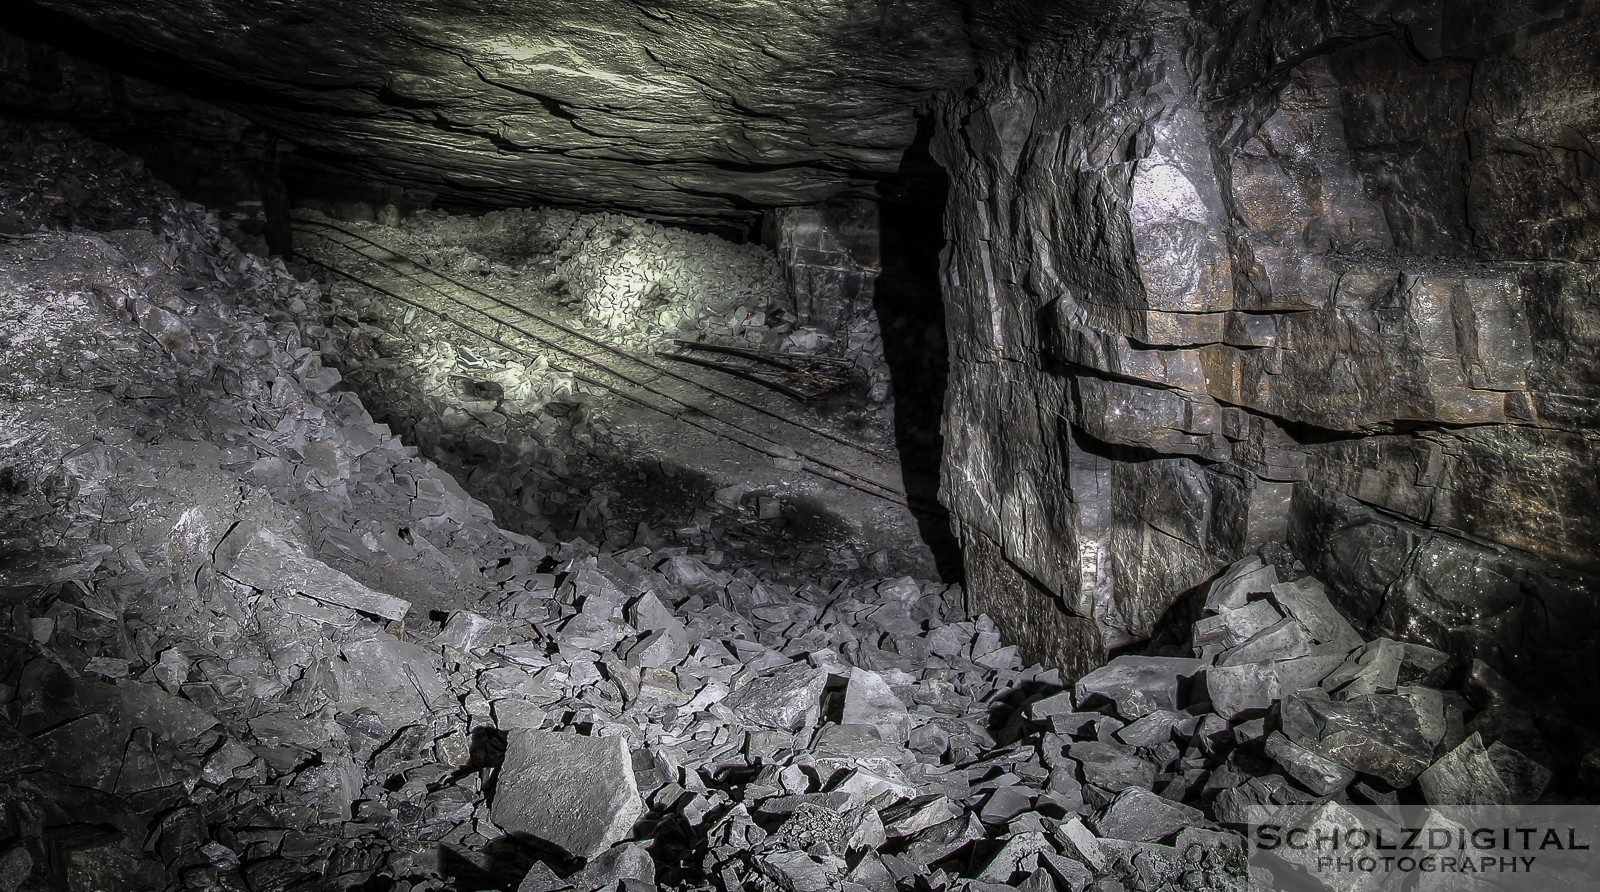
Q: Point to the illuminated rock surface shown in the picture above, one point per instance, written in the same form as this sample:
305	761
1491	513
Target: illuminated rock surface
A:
684	110
1264	274
1218	276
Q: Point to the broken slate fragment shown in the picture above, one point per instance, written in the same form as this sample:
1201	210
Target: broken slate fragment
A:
260	558
630	861
868	700
1286	639
1233	588
1421	664
1307	601
799	872
1004	804
869	874
1137	685
1321	776
656	650
1086	725
1079	842
918	814
1242	689
1059	703
1374	668
466	631
1112	767
940	840
1245	688
1155	728
1141	816
1379	734
1232	628
1069	875
843	747
1472	774
788	700
540	878
1016	857
396	679
107	666
171	718
574	792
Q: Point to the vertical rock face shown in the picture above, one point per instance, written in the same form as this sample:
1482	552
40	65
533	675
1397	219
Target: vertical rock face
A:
829	254
1277	273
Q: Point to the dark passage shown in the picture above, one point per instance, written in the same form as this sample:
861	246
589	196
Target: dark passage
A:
911	316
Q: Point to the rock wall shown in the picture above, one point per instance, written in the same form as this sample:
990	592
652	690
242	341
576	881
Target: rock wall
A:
1270	272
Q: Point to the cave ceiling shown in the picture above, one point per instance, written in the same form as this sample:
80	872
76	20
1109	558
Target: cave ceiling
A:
700	111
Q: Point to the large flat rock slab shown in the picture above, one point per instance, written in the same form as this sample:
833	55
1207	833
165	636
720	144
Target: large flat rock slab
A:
574	792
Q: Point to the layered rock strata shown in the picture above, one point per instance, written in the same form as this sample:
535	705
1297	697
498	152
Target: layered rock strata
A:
1319	276
679	110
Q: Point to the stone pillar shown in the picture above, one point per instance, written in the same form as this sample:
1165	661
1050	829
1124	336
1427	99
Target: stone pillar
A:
829	255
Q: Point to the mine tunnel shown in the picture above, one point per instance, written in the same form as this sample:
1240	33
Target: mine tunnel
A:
898	446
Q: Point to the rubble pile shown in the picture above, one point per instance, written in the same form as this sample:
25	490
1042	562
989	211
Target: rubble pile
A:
251	641
542	438
45	181
640	283
509	427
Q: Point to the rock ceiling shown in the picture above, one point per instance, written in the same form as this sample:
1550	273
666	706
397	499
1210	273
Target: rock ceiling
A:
679	109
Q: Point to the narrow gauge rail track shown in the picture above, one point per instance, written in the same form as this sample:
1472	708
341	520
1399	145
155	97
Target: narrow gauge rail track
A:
688	413
423	270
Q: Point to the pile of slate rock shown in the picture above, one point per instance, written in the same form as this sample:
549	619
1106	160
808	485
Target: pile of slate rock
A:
507	426
44	180
640	283
249	640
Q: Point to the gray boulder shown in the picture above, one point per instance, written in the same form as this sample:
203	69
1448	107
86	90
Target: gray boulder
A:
788	700
1473	774
574	792
1137	686
1380	735
1139	815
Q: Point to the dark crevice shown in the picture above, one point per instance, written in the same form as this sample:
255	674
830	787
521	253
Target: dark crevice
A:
549	103
1137	344
1302	432
910	308
1054	365
389	97
440	122
1129	454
